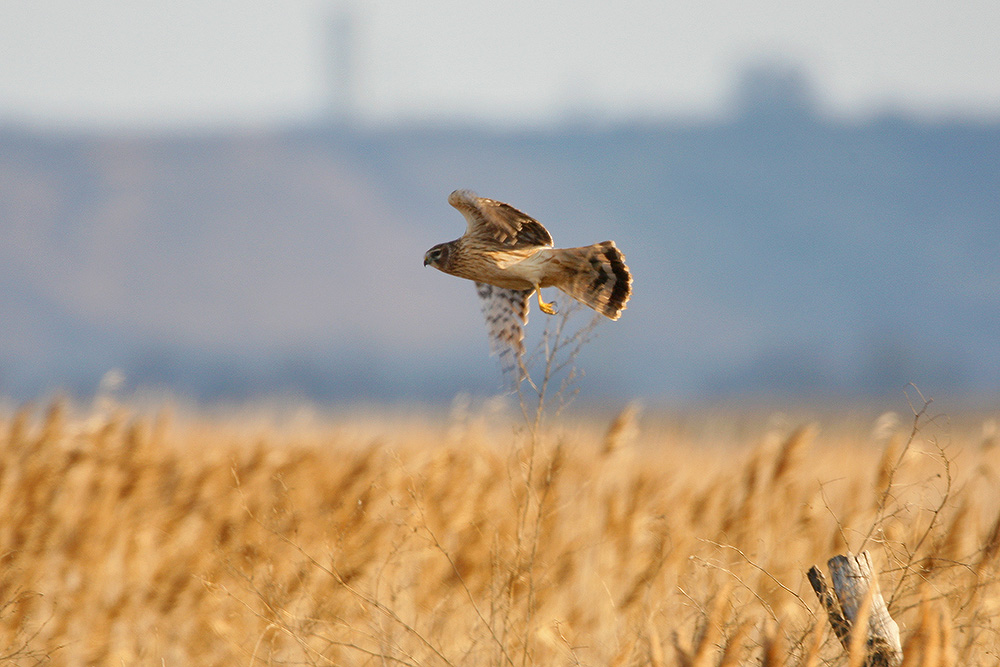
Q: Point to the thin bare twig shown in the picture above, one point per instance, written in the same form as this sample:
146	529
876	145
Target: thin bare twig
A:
887	492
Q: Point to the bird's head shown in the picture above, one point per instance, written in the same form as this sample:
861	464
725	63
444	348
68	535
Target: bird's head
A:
437	256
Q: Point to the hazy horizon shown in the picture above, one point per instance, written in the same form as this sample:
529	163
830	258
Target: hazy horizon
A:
777	255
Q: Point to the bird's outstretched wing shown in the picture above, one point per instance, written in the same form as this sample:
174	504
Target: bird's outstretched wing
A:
506	313
498	222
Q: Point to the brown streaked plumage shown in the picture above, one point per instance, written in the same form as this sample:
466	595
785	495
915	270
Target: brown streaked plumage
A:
510	256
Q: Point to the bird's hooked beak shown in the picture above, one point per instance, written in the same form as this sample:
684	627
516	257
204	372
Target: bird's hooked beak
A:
436	255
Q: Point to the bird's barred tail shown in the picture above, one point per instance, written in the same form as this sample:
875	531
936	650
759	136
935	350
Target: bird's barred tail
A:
596	276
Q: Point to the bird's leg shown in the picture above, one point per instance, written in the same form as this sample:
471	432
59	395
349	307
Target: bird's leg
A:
547	308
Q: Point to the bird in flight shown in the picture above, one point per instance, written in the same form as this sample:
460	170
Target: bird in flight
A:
510	257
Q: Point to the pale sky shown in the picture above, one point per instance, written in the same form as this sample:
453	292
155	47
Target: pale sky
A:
159	63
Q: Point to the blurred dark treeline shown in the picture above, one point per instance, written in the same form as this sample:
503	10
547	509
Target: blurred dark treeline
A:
776	252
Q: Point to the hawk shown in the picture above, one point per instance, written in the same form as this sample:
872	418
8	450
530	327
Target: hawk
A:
510	257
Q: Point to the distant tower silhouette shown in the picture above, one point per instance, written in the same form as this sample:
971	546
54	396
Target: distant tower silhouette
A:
340	65
774	90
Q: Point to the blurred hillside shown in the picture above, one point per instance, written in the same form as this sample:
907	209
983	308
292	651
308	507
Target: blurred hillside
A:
775	253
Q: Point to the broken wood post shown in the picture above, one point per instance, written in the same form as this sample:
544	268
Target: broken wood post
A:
857	591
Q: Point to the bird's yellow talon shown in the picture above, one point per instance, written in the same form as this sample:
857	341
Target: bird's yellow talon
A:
547	308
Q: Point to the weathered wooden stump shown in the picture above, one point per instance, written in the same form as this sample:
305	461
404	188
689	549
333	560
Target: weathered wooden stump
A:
858	602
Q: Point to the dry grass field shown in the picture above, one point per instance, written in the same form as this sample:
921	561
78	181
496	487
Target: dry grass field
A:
151	537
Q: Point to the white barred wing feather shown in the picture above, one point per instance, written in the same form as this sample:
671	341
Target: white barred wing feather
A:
506	313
